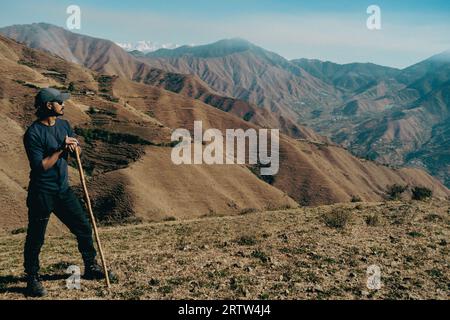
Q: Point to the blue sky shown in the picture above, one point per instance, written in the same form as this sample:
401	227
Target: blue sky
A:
328	30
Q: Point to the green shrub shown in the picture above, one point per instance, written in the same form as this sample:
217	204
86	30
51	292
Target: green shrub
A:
248	116
32	86
92	110
246	241
395	191
90	135
421	193
373	220
71	87
19	230
338	218
261	255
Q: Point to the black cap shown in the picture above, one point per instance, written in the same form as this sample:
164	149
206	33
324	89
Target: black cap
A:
50	95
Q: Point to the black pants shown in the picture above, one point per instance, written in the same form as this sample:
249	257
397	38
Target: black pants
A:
68	209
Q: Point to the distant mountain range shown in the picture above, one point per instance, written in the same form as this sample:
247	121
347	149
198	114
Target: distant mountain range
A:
397	117
125	128
240	69
146	46
106	57
393	116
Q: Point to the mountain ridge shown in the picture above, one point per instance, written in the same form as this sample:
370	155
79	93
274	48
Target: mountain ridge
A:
105	56
125	129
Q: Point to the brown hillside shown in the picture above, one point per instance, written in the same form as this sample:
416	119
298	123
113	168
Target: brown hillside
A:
125	127
311	173
289	254
106	57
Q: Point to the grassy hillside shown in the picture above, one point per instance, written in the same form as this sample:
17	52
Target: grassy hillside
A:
308	253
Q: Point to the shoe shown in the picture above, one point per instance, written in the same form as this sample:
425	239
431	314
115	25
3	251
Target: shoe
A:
35	287
95	272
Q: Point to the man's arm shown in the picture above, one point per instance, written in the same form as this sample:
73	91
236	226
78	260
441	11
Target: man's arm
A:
34	150
35	153
69	144
50	161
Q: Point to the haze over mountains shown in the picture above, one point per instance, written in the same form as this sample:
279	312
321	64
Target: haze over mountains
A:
124	110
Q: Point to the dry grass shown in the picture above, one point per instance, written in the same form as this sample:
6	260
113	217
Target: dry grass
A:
288	254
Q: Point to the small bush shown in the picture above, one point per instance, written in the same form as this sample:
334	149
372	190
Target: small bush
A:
108	97
373	220
264	296
355	198
27	63
421	193
395	191
260	255
247	211
415	234
71	87
246	241
154	282
19	230
248	116
337	218
90	135
32	86
92	110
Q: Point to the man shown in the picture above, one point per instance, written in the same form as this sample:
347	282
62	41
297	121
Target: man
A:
48	141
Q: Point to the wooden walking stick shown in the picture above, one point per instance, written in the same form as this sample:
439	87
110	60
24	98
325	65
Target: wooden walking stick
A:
91	214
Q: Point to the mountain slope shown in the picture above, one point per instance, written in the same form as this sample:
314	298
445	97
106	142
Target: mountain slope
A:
377	112
412	130
104	56
311	173
350	77
240	69
125	129
97	118
291	254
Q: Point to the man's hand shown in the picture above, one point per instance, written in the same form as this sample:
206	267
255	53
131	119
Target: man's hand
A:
71	144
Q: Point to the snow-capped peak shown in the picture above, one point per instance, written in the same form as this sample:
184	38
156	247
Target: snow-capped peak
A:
146	46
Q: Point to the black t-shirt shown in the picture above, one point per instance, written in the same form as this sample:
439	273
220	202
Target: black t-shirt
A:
40	142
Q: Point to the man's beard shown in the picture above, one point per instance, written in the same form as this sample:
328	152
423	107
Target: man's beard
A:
45	113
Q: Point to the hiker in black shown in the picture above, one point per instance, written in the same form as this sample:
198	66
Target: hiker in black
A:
48	142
